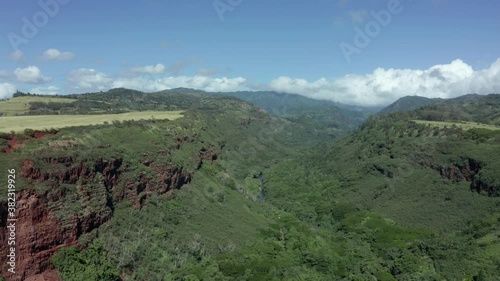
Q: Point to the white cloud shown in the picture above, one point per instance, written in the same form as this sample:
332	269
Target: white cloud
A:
7	90
384	86
51	90
358	16
30	74
196	82
150	69
17	55
56	55
89	79
93	80
379	88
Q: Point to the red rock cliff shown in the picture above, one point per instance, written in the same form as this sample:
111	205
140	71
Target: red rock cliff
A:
46	223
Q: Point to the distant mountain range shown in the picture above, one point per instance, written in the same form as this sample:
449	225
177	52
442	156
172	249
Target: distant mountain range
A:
277	103
328	113
410	103
283	104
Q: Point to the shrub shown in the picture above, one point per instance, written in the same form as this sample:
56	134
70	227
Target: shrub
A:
29	132
90	264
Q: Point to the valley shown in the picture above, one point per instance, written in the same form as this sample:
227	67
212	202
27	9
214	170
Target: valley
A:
230	189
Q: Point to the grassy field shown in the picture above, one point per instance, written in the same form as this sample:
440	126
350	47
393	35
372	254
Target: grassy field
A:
40	122
463	125
20	105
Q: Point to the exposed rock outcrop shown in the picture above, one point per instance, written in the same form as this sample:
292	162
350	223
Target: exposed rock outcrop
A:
48	220
461	171
468	170
38	236
166	179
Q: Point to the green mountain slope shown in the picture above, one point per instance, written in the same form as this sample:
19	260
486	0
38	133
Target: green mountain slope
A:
441	179
409	103
230	192
325	113
324	118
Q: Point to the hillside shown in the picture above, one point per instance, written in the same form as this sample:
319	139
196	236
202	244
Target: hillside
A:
420	175
327	114
409	103
323	117
81	179
90	182
231	192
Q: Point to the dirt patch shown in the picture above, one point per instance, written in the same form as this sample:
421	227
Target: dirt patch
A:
13	141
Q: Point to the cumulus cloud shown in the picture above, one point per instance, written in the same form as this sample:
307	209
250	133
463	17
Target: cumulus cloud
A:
56	55
358	16
30	74
93	80
150	69
7	90
89	79
378	88
51	90
174	69
196	82
383	86
17	55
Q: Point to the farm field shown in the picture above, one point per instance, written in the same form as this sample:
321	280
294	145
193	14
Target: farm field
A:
21	105
40	122
463	125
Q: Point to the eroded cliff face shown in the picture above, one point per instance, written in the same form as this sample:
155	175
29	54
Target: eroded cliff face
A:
468	170
69	198
167	178
38	236
465	170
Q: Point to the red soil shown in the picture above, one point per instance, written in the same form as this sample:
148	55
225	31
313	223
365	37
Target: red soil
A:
14	142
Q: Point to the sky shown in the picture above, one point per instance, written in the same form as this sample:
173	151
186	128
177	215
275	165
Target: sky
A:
360	52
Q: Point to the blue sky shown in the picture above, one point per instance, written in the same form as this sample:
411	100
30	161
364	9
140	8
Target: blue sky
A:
439	48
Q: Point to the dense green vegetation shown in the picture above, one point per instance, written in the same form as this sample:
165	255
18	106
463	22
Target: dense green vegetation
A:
274	197
325	116
409	103
318	114
89	264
